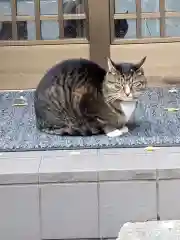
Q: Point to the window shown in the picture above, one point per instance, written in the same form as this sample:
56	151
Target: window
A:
48	20
145	21
35	22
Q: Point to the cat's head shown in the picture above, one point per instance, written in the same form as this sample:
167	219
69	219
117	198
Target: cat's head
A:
124	81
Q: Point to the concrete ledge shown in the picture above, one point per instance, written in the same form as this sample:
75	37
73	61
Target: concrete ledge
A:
126	164
69	166
19	168
110	165
86	194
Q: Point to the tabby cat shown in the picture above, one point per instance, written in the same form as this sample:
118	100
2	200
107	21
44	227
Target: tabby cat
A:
78	97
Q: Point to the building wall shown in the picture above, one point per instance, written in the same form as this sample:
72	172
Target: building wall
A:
23	66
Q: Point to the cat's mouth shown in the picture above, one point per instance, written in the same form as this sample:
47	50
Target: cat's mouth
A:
129	99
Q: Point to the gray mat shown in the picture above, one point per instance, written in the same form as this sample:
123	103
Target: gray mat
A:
155	125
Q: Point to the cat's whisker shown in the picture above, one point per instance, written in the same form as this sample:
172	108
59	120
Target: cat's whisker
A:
112	98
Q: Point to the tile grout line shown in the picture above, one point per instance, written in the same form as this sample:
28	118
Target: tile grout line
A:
39	191
157	195
98	198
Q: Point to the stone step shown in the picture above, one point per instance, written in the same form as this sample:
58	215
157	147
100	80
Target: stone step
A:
152	230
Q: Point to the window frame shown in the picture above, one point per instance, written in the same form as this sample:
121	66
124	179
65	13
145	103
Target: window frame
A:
138	16
60	17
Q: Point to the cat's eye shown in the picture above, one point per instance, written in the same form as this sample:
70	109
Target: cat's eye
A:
117	85
113	72
137	84
138	73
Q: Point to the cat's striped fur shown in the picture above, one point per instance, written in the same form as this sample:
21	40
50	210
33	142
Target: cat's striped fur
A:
78	97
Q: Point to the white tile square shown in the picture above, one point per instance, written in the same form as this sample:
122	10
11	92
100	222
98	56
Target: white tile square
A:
126	164
169	195
69	166
122	202
169	164
69	211
19	213
18	168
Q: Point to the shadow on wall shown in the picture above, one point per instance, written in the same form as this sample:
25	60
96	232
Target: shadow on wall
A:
72	28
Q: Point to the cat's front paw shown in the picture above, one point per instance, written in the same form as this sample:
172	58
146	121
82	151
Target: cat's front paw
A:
124	129
116	132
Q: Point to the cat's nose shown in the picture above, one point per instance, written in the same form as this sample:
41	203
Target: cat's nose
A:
127	90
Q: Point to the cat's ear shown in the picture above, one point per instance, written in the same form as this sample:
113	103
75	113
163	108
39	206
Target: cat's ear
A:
111	66
140	63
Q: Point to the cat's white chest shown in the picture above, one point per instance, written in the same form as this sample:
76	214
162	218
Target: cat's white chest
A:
128	108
